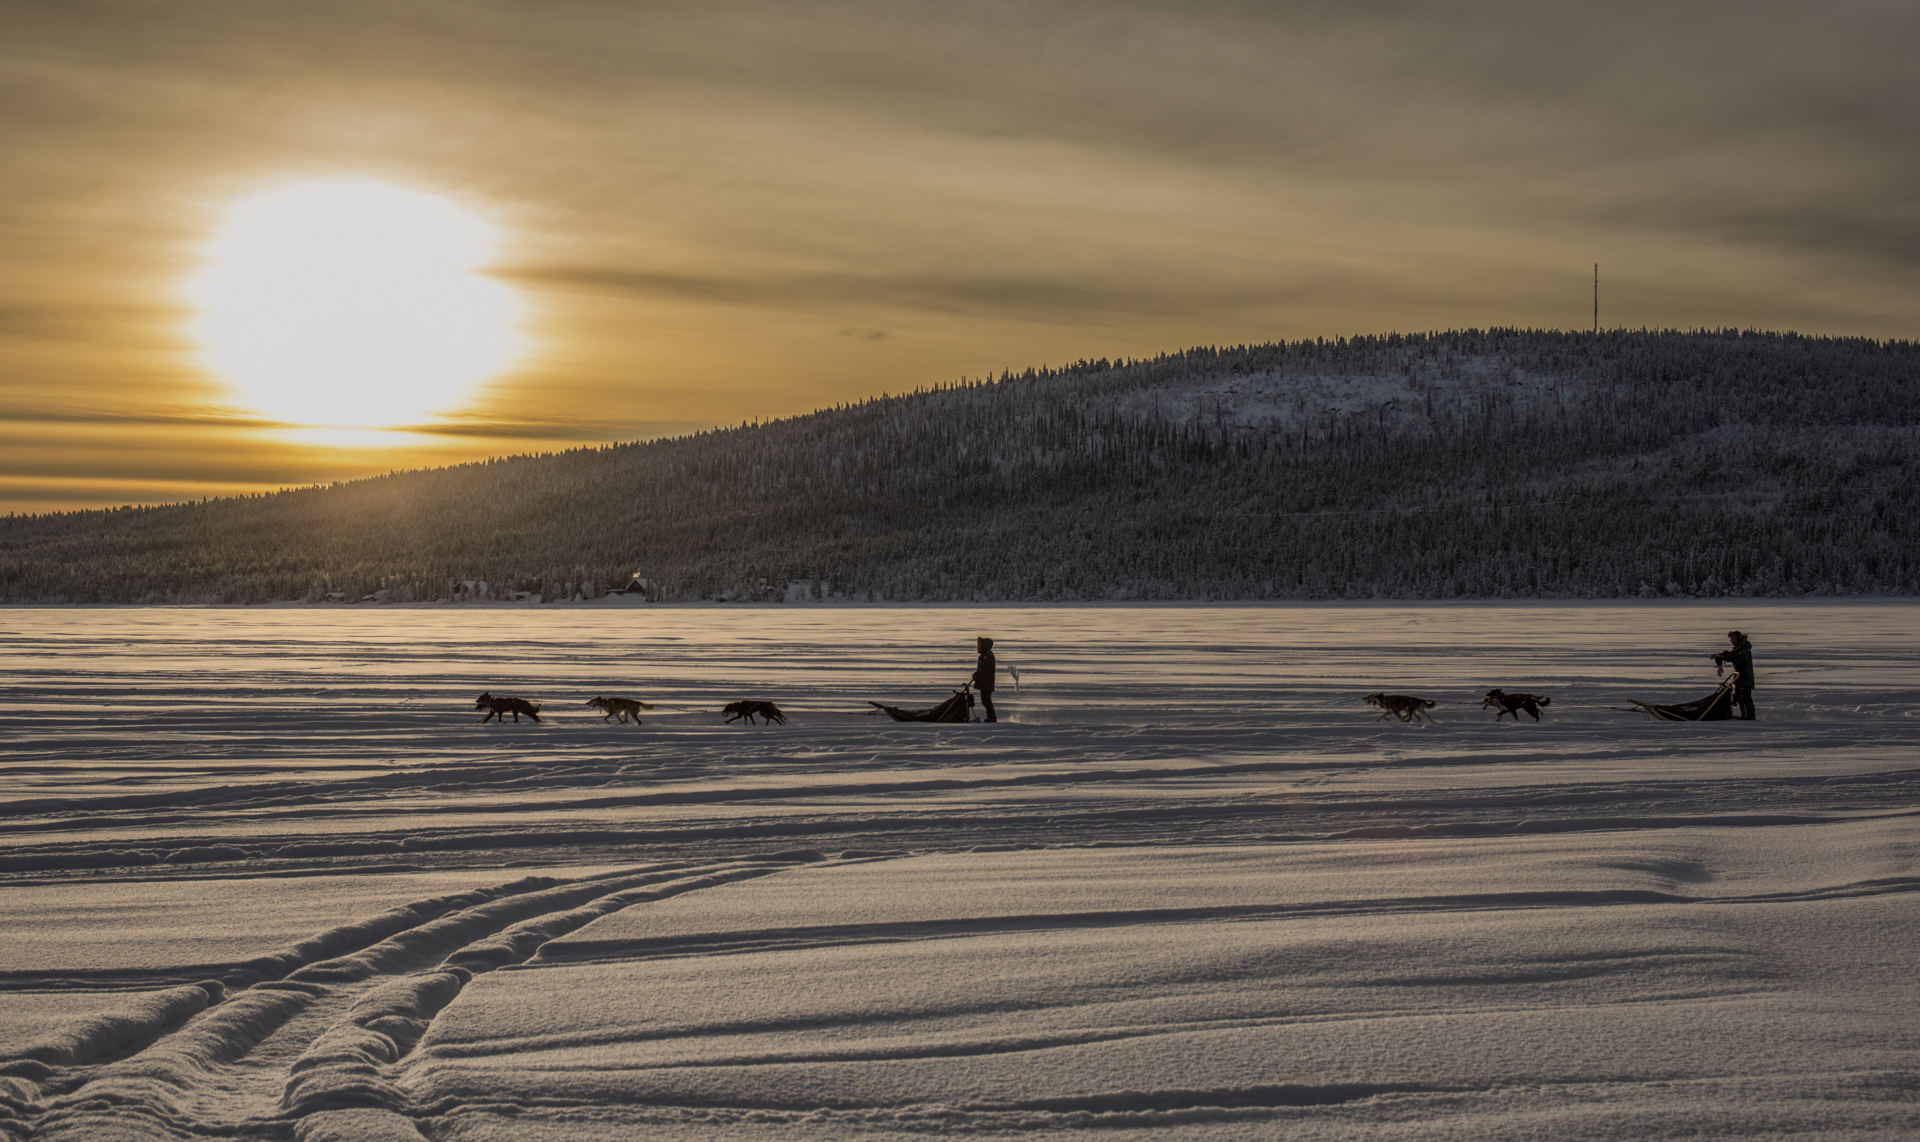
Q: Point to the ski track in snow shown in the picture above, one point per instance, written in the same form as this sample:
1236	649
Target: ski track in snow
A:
263	875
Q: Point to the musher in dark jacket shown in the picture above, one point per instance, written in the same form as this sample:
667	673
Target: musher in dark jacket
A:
1741	659
983	672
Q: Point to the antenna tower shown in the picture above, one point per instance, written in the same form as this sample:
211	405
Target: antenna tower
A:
1596	299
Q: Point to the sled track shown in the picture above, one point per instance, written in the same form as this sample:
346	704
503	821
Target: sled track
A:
313	1043
306	1042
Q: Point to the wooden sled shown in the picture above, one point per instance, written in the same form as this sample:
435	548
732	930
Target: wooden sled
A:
958	708
1715	707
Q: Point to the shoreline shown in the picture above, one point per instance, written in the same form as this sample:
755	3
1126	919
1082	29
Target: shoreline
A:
618	604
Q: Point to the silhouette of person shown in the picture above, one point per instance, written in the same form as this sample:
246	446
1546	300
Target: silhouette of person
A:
1741	659
983	672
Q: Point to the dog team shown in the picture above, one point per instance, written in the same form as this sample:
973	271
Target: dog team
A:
1402	706
1739	657
985	672
620	709
1499	701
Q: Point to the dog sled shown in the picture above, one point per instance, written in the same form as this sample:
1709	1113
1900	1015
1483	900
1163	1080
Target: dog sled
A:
1715	707
958	708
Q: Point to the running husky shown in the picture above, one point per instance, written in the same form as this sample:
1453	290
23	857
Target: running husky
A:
620	708
501	707
1504	703
1400	706
747	709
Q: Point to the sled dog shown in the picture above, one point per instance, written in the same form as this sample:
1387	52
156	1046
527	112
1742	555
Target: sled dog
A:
1503	703
501	707
620	708
1400	706
747	710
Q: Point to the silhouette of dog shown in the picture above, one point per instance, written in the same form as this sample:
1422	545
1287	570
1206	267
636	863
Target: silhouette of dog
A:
747	709
1503	703
501	707
1400	706
620	708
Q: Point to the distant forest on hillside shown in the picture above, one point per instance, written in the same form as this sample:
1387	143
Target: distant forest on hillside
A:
1499	463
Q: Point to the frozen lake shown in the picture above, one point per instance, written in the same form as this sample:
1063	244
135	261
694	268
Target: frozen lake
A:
264	874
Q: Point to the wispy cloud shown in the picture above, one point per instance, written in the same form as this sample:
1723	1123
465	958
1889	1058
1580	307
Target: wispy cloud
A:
210	418
535	430
1058	300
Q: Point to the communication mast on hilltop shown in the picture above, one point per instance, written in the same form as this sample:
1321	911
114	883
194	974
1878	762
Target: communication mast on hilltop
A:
1596	299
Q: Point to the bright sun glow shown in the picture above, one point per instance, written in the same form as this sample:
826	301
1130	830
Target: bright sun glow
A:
354	304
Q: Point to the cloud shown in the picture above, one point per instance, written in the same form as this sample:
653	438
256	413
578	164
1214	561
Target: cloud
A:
1033	299
1522	112
530	429
207	418
533	431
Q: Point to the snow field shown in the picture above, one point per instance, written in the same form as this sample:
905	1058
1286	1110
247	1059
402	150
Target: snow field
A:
264	876
1006	992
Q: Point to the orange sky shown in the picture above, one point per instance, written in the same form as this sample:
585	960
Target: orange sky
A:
729	211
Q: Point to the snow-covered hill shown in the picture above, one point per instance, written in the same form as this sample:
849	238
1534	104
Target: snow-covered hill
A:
1470	464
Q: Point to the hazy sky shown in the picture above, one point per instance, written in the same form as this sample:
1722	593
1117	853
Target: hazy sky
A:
724	211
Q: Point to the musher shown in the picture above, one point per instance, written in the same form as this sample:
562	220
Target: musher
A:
983	673
1741	659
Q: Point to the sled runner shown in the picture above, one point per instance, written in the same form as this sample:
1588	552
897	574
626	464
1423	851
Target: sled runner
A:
1715	707
955	709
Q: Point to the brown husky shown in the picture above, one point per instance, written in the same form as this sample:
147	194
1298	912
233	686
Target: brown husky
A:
620	708
1504	703
1400	706
747	709
501	707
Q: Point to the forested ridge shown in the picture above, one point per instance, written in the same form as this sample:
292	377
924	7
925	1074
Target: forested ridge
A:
1473	463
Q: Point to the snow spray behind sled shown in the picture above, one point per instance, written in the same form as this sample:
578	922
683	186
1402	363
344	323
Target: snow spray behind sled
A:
958	708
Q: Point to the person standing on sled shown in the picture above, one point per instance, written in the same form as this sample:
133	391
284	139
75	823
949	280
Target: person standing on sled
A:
1741	659
983	672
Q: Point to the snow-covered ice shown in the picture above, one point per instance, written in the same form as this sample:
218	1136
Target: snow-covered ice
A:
263	875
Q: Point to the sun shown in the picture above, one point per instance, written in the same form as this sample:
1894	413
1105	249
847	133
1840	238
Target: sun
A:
353	303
